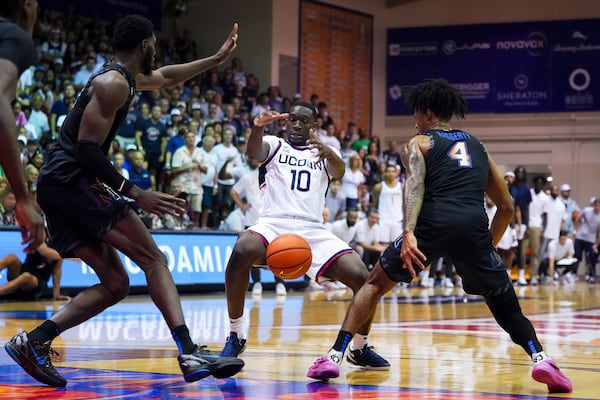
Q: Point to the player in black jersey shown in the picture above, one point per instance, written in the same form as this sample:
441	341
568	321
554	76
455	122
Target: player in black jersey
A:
88	216
28	280
447	173
17	19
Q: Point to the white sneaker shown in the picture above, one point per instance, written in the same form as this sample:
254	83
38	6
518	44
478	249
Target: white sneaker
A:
280	289
521	281
569	278
447	283
534	281
257	289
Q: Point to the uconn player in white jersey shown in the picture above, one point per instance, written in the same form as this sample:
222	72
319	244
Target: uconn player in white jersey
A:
294	176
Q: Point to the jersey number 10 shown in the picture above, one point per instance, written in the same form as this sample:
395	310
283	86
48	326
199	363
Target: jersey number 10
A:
300	180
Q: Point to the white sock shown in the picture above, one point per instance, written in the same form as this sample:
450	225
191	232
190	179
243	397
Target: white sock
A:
537	357
521	274
359	341
335	356
237	326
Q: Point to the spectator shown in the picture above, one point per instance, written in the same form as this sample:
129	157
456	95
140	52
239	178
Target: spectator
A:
188	167
226	152
554	221
82	76
8	201
587	239
28	280
560	253
368	239
346	228
521	194
353	177
54	47
335	201
126	133
571	207
209	180
118	161
38	119
539	200
138	175
391	156
152	139
363	140
387	200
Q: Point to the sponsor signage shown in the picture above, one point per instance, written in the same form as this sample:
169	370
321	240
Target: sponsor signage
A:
548	66
193	258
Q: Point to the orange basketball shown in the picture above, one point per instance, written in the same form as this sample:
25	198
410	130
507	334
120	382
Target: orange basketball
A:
289	256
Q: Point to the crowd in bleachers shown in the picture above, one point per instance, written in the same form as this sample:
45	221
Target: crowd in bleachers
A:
183	140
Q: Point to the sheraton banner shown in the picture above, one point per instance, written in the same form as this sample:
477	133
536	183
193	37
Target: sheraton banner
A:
527	67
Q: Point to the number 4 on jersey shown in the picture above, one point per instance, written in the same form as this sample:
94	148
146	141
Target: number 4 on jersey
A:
460	153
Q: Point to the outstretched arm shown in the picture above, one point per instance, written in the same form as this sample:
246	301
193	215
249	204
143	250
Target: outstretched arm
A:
256	148
170	75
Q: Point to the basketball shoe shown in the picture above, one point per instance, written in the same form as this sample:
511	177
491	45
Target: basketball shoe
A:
201	364
233	346
547	372
326	367
366	358
34	358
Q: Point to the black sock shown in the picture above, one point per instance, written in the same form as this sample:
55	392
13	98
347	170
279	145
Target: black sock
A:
181	334
48	330
342	341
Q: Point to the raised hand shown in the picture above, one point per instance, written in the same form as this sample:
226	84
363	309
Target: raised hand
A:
320	150
229	45
269	117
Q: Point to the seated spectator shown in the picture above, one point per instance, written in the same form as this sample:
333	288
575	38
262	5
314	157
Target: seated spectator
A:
28	280
335	201
54	47
368	239
38	118
8	201
138	175
82	76
345	229
560	254
118	161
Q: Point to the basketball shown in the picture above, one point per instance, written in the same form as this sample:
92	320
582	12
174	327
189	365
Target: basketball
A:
289	256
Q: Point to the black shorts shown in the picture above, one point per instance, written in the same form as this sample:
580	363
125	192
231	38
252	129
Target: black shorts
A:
480	266
31	294
80	213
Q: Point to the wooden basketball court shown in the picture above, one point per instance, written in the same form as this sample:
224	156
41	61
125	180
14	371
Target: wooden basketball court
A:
441	343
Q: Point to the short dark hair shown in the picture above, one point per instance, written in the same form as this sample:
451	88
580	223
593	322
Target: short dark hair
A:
8	8
130	31
437	95
562	233
306	105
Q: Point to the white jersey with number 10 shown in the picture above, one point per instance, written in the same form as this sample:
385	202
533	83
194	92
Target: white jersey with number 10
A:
293	183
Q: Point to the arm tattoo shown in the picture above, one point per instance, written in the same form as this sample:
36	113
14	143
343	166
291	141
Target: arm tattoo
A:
414	188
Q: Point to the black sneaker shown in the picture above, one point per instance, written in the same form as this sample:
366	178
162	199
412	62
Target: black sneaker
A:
233	346
34	358
201	363
367	358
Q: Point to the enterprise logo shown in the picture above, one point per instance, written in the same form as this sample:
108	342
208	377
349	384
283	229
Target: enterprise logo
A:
413	49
